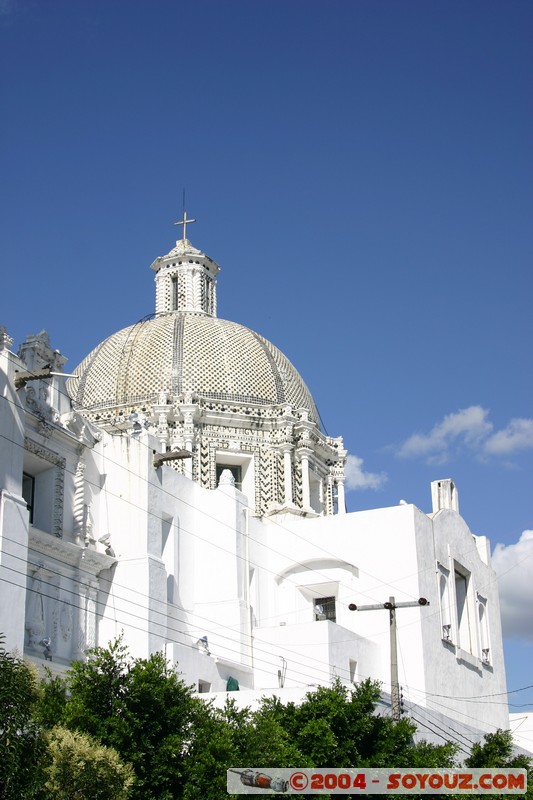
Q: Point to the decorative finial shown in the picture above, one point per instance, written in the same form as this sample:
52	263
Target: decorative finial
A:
184	222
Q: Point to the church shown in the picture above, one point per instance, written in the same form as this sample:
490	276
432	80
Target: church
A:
177	489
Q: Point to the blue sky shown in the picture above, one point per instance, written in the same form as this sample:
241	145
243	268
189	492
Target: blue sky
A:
362	170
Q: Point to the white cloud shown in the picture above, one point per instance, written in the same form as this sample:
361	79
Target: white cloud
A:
518	435
514	566
357	478
469	425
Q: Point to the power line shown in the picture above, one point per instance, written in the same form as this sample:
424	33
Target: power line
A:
259	649
209	516
170	639
269	654
380	583
257	542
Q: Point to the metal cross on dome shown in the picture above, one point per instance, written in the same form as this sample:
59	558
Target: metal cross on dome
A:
184	222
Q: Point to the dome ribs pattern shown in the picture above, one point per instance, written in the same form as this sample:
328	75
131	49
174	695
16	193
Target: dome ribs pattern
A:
174	353
83	372
132	349
177	357
98	385
278	382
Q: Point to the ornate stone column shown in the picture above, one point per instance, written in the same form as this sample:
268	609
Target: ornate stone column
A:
305	453
90	625
161	412
329	503
213	309
87	583
341	501
80	509
189	411
66	614
189	290
35	612
287	475
197	289
80	619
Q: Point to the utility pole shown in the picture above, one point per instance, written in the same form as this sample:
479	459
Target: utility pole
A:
391	606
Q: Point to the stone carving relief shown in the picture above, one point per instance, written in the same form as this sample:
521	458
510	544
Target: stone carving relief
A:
35	610
65	620
6	341
59	480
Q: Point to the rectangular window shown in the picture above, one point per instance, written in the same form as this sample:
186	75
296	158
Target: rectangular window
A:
28	492
204	686
443	576
174	293
484	639
464	622
325	608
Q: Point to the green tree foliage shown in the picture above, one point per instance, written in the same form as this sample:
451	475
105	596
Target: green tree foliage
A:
497	752
22	745
80	768
139	707
119	727
211	751
230	738
52	699
338	726
180	747
335	727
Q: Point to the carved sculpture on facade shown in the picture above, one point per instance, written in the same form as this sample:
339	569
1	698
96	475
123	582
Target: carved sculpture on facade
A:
65	619
35	609
226	478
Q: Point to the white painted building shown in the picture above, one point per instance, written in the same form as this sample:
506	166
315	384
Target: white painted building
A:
521	725
180	490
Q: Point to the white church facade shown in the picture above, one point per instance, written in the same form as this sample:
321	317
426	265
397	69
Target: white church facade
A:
179	490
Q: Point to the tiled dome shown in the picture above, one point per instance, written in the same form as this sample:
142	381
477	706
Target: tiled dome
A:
181	352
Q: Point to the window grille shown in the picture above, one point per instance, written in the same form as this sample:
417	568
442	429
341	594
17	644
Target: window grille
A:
325	608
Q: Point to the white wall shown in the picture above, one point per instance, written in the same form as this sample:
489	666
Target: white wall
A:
521	725
361	558
180	573
455	670
14	518
192	563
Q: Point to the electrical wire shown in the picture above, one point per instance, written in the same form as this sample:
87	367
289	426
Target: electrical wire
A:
303	675
276	522
315	571
130	625
214	544
215	519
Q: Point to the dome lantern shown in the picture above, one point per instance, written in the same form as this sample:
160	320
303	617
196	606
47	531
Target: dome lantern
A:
185	278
